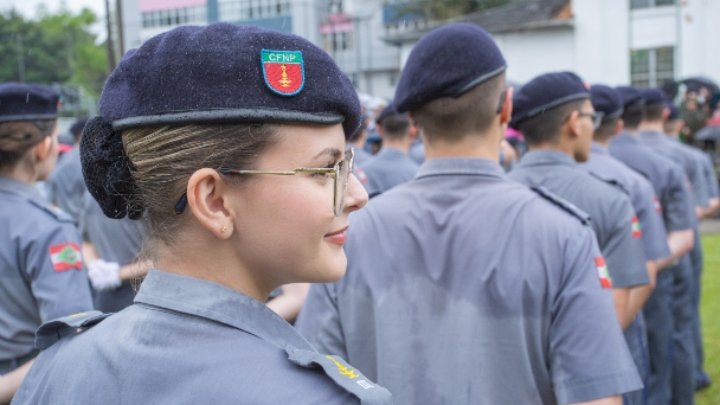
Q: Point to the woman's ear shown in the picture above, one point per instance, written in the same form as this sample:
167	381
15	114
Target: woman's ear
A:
208	200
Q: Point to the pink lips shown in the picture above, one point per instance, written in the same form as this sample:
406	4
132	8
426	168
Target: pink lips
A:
338	237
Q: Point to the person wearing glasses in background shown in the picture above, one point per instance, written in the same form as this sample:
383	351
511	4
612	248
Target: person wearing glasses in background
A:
556	116
230	142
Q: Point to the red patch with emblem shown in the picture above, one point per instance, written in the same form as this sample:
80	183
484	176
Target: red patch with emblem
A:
65	256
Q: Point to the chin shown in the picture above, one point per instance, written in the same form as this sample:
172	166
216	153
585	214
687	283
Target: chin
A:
332	271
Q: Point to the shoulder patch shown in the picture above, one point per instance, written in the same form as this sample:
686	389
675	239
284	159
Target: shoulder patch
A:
565	205
50	332
611	182
343	374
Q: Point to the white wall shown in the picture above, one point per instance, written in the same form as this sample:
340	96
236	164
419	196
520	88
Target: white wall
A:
699	31
531	53
601	41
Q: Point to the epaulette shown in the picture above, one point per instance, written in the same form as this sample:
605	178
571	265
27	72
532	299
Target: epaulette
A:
611	182
343	374
52	331
53	211
565	205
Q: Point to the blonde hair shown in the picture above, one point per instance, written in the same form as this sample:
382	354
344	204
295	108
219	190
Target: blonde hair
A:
162	159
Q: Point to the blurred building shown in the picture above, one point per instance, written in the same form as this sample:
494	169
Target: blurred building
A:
643	42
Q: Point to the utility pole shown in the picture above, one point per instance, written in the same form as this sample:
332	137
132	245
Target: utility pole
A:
110	47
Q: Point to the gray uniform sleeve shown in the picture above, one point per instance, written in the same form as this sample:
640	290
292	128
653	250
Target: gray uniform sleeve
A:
623	248
589	356
654	236
57	273
699	185
677	202
710	176
319	320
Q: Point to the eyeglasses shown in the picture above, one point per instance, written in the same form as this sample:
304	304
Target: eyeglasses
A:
340	172
596	117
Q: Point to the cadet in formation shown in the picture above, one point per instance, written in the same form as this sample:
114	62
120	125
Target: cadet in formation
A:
554	113
392	165
42	275
465	258
245	189
66	184
649	223
668	181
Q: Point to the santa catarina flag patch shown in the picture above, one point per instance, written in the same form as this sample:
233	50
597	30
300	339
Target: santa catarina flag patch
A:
66	256
605	280
283	71
636	231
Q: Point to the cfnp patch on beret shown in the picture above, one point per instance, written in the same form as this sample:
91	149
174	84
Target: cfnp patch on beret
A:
283	71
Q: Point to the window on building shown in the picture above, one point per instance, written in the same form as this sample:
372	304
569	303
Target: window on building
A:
240	10
652	67
634	4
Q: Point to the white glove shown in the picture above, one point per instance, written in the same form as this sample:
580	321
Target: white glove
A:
104	275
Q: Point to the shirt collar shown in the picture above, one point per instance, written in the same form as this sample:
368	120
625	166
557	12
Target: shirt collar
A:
651	135
625	138
467	166
389	152
25	190
213	301
598	149
547	157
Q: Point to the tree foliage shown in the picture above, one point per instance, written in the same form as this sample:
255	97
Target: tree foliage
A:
54	48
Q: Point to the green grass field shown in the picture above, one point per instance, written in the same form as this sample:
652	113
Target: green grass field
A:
710	312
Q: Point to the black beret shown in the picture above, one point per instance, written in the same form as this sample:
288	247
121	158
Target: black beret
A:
546	92
674	112
630	95
606	100
226	73
653	97
27	102
448	62
388	111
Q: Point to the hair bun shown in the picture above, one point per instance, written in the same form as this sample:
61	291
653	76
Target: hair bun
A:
106	169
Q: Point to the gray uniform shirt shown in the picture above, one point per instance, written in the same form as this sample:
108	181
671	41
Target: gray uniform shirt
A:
706	164
189	341
660	143
610	210
477	291
386	170
116	240
42	275
667	179
642	195
66	184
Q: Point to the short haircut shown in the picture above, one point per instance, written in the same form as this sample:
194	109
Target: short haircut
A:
452	119
654	112
545	127
395	126
606	129
633	114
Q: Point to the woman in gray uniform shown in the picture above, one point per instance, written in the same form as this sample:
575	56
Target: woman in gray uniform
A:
232	142
41	270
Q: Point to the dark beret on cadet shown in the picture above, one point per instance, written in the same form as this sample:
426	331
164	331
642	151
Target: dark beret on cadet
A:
388	111
653	97
77	127
448	62
674	111
27	102
546	92
630	95
226	73
216	74
606	100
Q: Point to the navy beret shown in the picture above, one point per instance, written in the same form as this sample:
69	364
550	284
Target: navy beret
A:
77	127
674	112
606	100
226	73
653	97
630	95
27	102
388	111
447	62
546	92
